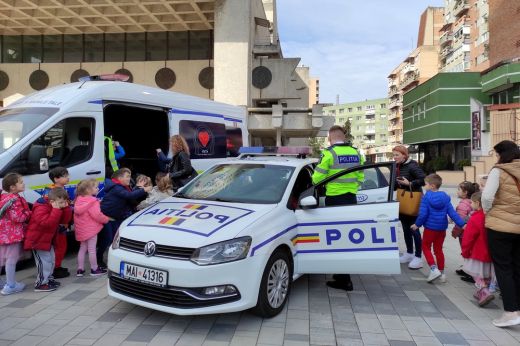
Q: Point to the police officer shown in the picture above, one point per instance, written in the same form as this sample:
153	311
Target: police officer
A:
339	156
113	152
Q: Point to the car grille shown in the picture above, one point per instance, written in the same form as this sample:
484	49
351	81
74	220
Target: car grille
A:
167	296
160	250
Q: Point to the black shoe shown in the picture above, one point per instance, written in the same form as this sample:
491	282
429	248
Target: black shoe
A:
460	272
60	273
467	279
54	283
102	265
341	277
341	285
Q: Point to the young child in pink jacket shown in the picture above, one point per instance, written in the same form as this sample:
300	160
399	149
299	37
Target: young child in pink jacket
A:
89	221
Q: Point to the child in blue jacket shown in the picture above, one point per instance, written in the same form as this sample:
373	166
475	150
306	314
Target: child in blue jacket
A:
435	206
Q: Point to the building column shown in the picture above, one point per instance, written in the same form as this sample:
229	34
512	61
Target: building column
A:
233	36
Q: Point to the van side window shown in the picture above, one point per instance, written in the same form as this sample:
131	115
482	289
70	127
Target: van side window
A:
233	141
67	143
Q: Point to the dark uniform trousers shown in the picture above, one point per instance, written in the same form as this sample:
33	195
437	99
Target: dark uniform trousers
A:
345	199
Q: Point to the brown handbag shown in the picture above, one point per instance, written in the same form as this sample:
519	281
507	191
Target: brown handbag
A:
409	201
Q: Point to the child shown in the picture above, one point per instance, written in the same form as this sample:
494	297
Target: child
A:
477	261
48	214
162	190
14	215
88	221
118	204
60	178
435	205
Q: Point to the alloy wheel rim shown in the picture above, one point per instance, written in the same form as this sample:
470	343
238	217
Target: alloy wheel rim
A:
278	283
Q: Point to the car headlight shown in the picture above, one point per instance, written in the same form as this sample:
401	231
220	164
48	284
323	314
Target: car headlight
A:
226	251
115	242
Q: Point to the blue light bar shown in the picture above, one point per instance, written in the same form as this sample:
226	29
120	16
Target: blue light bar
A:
106	77
276	150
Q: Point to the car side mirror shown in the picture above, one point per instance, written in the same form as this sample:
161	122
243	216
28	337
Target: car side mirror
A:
44	164
308	202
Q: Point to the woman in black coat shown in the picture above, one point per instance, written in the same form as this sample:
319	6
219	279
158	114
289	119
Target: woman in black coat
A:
179	167
409	174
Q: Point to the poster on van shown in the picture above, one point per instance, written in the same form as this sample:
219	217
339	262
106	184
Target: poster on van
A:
206	140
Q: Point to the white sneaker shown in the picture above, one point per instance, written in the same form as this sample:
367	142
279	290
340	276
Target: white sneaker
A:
434	274
406	258
416	263
18	287
507	319
442	279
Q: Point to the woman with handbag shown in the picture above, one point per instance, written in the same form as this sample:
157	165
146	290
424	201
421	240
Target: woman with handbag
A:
501	203
409	182
179	168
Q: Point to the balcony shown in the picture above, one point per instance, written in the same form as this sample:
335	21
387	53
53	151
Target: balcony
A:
409	68
446	38
369	131
393	91
370	112
392	82
460	8
370	121
395	127
446	51
392	139
394	115
409	79
394	104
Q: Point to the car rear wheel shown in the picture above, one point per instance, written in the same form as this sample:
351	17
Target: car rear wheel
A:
275	285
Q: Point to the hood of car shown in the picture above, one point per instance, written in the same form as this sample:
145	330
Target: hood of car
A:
192	223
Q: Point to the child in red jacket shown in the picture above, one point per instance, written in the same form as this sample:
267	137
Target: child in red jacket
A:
477	261
48	214
14	215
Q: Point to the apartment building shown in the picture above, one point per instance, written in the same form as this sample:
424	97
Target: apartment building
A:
504	26
369	124
419	66
465	36
314	91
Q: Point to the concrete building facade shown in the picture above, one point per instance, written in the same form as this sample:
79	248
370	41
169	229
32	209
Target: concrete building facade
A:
465	36
504	26
226	50
369	124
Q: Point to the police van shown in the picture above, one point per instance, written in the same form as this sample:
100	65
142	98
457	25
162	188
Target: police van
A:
239	234
66	126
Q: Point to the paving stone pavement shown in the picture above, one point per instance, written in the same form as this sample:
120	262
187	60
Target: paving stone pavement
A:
382	310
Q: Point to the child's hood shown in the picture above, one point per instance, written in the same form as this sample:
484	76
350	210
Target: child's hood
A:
83	204
438	199
6	198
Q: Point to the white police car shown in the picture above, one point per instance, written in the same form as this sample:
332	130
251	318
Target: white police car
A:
240	233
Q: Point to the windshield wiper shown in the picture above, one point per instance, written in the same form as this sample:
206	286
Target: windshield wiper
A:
221	200
180	195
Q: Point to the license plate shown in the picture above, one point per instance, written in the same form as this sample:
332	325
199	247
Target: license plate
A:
143	274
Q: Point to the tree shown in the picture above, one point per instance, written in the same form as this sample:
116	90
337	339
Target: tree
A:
347	128
316	144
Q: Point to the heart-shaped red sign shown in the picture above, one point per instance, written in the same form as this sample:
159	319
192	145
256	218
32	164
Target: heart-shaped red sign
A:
204	138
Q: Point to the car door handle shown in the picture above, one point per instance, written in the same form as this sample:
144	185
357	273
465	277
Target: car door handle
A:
93	172
382	218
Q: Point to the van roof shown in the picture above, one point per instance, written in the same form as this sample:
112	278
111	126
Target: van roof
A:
95	92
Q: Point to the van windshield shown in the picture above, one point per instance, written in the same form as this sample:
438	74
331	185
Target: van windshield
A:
16	123
241	183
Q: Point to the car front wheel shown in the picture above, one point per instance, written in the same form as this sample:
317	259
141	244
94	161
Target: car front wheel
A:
275	285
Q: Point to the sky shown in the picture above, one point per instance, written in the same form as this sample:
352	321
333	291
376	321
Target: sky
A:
350	45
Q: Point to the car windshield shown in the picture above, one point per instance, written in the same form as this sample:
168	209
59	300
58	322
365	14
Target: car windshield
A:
16	123
241	183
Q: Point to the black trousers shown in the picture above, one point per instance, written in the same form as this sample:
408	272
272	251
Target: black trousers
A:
505	252
411	238
345	199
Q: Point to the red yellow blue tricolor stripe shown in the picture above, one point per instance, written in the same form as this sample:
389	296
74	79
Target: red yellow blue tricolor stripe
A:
306	238
195	206
171	221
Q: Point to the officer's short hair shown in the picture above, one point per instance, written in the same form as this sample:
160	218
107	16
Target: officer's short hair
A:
337	128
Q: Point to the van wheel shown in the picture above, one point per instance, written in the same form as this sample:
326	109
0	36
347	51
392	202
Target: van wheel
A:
275	285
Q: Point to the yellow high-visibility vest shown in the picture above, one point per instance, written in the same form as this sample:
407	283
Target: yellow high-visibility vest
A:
111	154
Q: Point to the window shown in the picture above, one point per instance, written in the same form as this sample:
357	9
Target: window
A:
350	110
156	48
341	111
12	49
233	141
370	107
52	48
424	110
73	48
32	48
94	48
382	116
341	120
114	47
200	45
67	143
382	106
359	109
135	46
358	118
178	45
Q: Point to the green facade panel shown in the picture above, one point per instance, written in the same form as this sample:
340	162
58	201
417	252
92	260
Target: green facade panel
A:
501	76
439	109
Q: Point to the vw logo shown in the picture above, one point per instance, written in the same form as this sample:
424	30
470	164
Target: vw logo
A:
149	249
